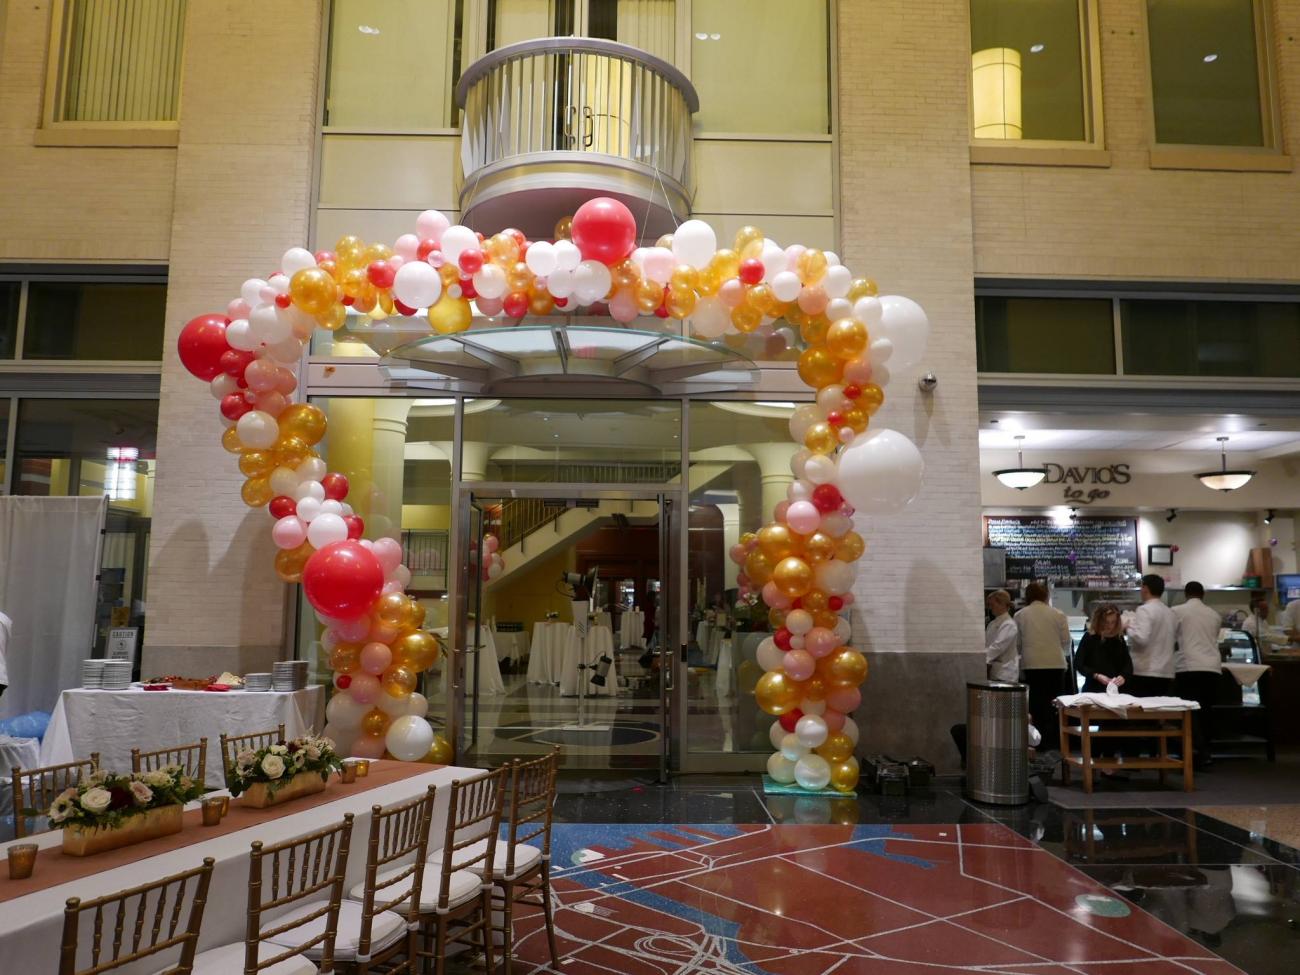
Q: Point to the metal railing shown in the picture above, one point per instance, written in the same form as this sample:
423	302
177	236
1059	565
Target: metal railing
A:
425	552
558	97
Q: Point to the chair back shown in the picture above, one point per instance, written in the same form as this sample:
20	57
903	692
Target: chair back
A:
530	808
396	833
192	758
296	870
134	924
232	745
37	788
473	816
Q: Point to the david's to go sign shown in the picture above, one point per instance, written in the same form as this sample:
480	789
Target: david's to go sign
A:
1080	483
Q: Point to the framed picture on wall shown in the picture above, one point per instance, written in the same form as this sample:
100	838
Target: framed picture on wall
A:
1160	555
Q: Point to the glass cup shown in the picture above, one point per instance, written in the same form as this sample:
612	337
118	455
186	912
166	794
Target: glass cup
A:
363	767
22	860
211	811
225	806
349	773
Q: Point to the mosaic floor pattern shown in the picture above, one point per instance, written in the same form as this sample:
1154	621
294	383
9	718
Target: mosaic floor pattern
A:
637	899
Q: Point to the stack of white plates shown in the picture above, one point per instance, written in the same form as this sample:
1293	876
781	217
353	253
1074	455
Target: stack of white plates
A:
92	673
289	675
257	682
116	675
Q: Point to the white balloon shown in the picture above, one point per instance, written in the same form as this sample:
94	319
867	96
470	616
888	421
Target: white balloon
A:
835	525
325	529
494	570
798	460
694	243
799	490
417	284
904	323
837	281
812	772
832	258
808	706
268	327
880	472
223	385
296	259
560	283
820	469
417	705
258	430
251	291
392	706
811	731
831	399
773	258
283	480
280	283
850	730
868	310
308	509
344	711
804	416
311	469
401	574
431	225
838	308
309	489
409	738
591	281
785	284
780	768
843	630
835	577
879	352
457	239
541	258
567	255
776	734
239	336
331	507
880	375
792	748
658	264
710	318
769	655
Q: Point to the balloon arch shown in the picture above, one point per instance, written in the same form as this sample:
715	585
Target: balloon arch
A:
802	563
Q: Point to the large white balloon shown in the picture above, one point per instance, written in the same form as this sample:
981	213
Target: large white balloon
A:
240	336
257	430
567	255
296	259
812	772
781	768
541	258
792	748
769	655
417	705
694	243
904	323
417	284
785	284
409	738
880	472
457	239
490	281
325	529
657	264
345	712
591	282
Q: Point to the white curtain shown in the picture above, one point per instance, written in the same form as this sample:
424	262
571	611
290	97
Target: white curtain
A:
49	558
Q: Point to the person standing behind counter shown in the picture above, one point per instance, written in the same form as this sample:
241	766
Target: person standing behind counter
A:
1001	639
1151	635
1103	658
1044	640
1197	665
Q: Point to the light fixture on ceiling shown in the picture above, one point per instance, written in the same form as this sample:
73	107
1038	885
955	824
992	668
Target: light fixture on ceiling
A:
1224	479
1036	48
1173	513
1210	58
1269	516
1021	477
368	30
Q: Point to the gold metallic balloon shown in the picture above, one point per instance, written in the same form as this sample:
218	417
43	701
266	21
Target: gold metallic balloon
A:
353	282
726	263
290	451
303	420
564	228
334	318
745	318
871	398
624	274
541	302
825	619
710	280
313	290
815	689
748	674
256	492
441	753
684	278
814	328
648	296
417	651
744	235
818	547
818	368
348	250
821	438
850	547
760	297
449	274
776	541
680	303
450	315
847	667
377	252
230	441
518	276
393	608
856	419
836	748
814	600
748	538
255	463
846	338
811	266
289	562
375	723
398	681
665	241
345	657
502	249
754	249
417	614
758	567
776	617
862	288
776	693
793	576
844	775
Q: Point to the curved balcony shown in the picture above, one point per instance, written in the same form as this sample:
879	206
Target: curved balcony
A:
551	123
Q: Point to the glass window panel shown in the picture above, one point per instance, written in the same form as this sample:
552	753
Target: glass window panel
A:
1205	72
9	292
1027	70
732	58
375	51
650	25
1211	338
4	443
1045	335
122	60
512	21
79	320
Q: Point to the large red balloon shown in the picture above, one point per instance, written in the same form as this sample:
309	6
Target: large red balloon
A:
343	580
201	345
335	485
604	230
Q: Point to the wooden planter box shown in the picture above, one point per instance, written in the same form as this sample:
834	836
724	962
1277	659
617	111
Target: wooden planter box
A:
80	841
259	794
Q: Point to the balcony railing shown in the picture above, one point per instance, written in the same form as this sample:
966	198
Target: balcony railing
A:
551	122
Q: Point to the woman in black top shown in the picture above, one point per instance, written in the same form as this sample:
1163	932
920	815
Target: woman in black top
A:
1102	657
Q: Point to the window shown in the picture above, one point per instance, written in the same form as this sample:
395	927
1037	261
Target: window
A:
4	444
9	293
103	321
1208	72
734	59
75	447
1211	338
117	61
1045	335
1031	70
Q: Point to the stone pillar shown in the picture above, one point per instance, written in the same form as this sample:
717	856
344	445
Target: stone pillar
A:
774	474
730	536
474	457
388	466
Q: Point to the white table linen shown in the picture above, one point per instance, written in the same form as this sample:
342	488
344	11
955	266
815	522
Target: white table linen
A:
599	642
724	678
550	637
31	926
15	753
510	644
114	722
489	667
709	639
631	628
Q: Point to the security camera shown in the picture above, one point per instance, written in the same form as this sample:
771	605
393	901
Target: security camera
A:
927	383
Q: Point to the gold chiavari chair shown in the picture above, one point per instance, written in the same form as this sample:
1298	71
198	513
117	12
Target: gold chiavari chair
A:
192	758
463	898
37	788
232	745
135	924
307	871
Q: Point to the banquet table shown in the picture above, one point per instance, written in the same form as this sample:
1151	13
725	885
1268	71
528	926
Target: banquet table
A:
599	641
631	628
510	644
32	921
114	722
550	637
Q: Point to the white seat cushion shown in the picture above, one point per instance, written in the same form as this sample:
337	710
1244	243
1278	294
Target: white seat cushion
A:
385	929
229	959
526	857
464	887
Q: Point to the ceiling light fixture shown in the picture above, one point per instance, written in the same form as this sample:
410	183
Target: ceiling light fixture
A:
1268	518
1210	58
1224	479
1036	48
367	29
1173	513
1021	477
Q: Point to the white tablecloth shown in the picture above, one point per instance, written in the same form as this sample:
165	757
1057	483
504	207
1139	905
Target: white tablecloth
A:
599	641
30	926
723	680
510	644
15	753
709	638
631	628
114	722
489	666
545	656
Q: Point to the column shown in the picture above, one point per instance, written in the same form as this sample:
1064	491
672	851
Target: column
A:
388	466
775	476
730	536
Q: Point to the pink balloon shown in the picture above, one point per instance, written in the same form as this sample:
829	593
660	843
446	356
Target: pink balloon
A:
775	598
742	580
364	688
330	639
623	306
285	381
781	510
732	293
389	553
834	720
846	599
737	554
858	371
820	641
353	631
392	585
289	532
260	374
799	664
803	517
375	658
843	699
368	746
491	543
792	255
813	300
272	402
489	307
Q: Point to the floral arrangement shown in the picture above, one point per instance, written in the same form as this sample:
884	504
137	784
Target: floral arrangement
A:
277	764
105	799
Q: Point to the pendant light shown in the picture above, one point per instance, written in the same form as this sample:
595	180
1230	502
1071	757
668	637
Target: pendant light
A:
1021	477
1224	479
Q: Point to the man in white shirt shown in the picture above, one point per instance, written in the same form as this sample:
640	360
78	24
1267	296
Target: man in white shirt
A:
1197	664
1044	649
1290	620
6	629
1001	639
1151	635
1267	636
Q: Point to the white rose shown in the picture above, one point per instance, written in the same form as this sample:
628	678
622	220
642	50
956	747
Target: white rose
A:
141	793
96	800
279	749
158	778
312	752
273	766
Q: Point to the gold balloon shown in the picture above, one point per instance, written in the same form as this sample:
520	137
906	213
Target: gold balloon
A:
748	675
624	274
836	748
256	492
814	600
847	338
385	304
821	438
856	419
345	657
862	288
811	266
815	689
845	812
758	567
847	667
684	278
333	319
518	277
776	542
541	302
393	608
354	282
844	775
825	619
255	463
304	421
818	547
850	547
818	368
289	562
748	538
793	576
377	252
450	315
449	274
709	282
441	752
348	250
754	249
814	328
230	440
502	249
313	290
680	303
648	296
375	722
398	681
665	241
726	263
417	651
776	617
745	318
871	398
290	451
776	693
564	228
744	235
417	614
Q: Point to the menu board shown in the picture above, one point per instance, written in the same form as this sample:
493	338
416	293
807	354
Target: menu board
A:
1088	551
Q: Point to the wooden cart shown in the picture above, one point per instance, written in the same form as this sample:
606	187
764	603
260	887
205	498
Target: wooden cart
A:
1077	722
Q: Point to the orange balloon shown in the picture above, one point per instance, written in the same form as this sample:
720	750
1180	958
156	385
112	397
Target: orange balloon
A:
303	420
817	367
375	722
289	562
541	303
793	576
847	338
847	667
776	542
776	693
758	567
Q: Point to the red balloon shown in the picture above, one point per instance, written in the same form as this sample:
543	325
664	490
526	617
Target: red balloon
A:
751	270
201	345
427	247
335	485
852	391
835	418
471	260
381	274
827	498
835	604
467	289
356	527
782	638
282	507
234	361
515	304
343	579
604	230
405	309
234	405
790	719
342	681
323	256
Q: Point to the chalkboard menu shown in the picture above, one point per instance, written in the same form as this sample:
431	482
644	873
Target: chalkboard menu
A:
1086	552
